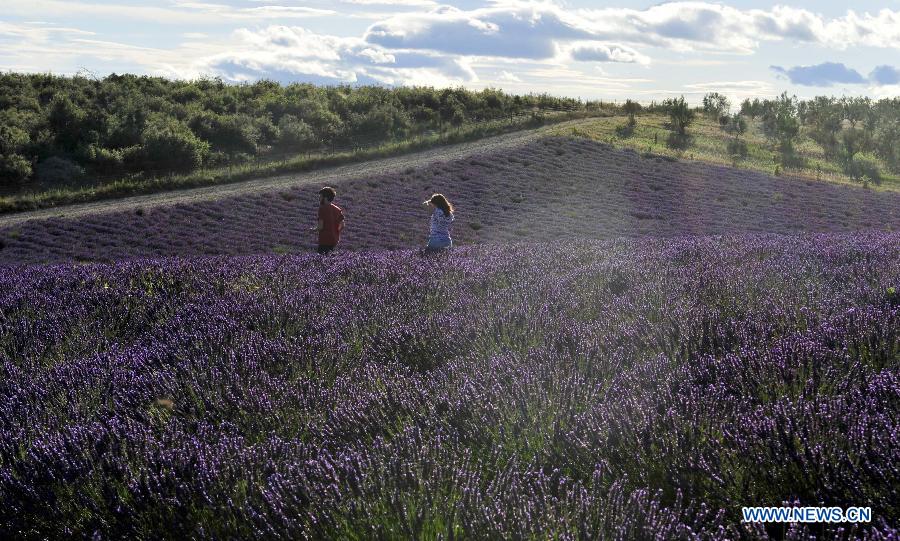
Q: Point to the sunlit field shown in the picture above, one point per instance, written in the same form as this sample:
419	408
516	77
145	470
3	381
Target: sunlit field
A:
626	389
709	143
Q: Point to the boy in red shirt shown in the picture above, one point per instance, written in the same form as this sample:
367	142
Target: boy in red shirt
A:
331	221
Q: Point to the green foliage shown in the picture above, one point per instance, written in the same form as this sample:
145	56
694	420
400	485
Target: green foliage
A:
65	118
737	149
295	134
631	108
14	167
140	184
715	105
680	114
170	145
864	166
55	171
853	140
782	126
887	143
736	125
229	133
751	109
104	125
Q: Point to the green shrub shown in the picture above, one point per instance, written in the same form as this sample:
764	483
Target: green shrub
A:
56	170
864	165
170	145
738	148
294	134
680	114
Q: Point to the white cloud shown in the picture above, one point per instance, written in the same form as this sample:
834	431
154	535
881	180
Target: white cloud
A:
39	31
403	3
736	91
181	13
68	50
290	54
705	26
885	91
729	85
603	52
523	29
515	42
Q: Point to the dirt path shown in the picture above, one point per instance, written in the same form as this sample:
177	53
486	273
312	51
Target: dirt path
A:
319	176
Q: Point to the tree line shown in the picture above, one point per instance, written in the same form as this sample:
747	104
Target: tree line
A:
856	133
56	129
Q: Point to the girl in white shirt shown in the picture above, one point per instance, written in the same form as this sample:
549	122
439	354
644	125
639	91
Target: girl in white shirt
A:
441	218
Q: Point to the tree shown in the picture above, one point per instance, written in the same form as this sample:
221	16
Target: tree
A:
631	108
227	133
294	134
752	109
887	143
736	125
15	168
65	118
450	108
377	124
168	144
781	125
715	105
852	141
823	118
864	166
680	114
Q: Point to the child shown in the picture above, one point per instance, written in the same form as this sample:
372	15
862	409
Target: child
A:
439	237
331	221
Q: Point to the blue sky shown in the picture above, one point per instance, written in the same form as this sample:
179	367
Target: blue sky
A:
605	50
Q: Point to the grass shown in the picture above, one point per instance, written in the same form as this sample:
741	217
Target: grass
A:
139	185
708	143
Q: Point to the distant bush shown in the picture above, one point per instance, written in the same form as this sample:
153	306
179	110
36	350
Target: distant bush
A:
715	105
55	171
864	165
170	145
679	113
104	159
295	134
625	130
735	125
631	108
737	148
14	169
679	141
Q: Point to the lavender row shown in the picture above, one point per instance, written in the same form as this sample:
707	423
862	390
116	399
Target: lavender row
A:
621	389
552	190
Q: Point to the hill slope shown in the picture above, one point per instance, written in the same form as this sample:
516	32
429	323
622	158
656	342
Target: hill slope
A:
552	189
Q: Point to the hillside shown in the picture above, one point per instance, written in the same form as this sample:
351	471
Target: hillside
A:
708	142
553	189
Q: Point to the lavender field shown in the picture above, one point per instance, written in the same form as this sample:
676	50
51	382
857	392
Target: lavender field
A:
621	389
551	189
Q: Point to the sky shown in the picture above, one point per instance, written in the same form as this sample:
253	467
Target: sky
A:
577	48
